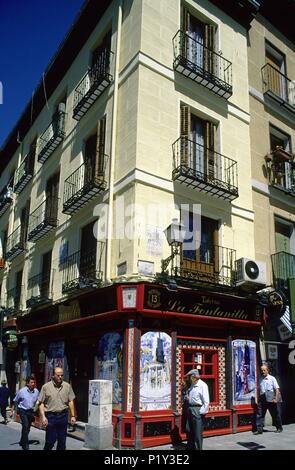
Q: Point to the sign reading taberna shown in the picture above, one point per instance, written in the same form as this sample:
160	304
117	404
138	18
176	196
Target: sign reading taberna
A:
10	340
199	304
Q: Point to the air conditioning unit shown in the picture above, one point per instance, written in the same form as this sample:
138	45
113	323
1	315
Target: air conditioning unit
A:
250	274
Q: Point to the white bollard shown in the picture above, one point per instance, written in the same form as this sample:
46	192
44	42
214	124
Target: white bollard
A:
99	430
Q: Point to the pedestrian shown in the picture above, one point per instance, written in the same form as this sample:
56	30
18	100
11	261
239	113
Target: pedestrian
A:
198	405
56	399
5	397
25	400
269	392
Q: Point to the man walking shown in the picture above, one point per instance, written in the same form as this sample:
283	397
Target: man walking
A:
198	405
25	400
5	395
269	392
56	398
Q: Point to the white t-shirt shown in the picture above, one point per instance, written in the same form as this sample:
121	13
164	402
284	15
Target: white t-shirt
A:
198	394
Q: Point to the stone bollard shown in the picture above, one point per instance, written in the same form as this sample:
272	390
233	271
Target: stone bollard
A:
99	430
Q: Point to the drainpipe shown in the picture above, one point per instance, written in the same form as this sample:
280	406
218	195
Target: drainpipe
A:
113	147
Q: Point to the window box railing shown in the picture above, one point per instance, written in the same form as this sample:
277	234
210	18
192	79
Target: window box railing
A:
283	267
203	65
52	136
82	270
199	167
83	185
15	243
279	87
6	198
92	85
24	172
43	219
39	290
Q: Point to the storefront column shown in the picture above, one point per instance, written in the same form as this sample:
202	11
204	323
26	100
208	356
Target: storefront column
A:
174	382
229	383
136	384
118	437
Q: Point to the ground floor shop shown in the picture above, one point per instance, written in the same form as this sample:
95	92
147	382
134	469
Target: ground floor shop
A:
145	338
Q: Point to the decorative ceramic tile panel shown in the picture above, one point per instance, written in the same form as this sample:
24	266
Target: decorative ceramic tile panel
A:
130	364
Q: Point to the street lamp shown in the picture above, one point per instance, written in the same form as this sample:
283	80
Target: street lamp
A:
175	234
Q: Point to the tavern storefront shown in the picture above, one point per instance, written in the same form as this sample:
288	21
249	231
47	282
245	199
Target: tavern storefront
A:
145	337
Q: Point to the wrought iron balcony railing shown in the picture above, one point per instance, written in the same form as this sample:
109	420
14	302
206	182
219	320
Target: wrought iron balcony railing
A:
199	167
281	173
16	242
82	270
201	64
279	87
52	136
283	267
43	219
24	172
83	185
39	290
13	301
6	198
93	84
212	264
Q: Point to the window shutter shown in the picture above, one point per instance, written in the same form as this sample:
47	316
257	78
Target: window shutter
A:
185	127
210	148
100	148
209	48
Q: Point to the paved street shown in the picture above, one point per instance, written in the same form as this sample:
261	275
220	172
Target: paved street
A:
269	440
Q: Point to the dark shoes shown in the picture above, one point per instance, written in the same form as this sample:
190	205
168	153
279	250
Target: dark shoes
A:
257	432
279	430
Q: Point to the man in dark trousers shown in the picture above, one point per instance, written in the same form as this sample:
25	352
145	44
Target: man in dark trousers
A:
269	392
56	399
5	395
25	400
198	405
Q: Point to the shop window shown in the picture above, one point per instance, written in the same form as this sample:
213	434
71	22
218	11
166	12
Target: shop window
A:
207	364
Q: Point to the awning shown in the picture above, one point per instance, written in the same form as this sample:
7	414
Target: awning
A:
285	319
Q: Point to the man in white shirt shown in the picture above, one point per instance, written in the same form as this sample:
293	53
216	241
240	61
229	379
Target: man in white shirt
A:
269	391
198	405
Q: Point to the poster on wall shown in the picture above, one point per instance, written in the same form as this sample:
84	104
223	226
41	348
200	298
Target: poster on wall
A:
55	358
110	363
244	371
155	371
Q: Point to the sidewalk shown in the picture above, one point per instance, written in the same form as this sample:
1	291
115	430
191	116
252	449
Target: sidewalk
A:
269	440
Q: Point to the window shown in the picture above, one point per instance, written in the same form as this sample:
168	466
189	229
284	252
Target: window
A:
100	58
206	361
94	154
199	151
284	236
45	275
88	251
200	42
280	144
24	221
276	70
52	188
18	287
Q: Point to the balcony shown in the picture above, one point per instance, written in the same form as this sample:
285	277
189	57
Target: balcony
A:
281	171
213	265
24	172
92	85
82	270
15	243
200	168
13	301
6	198
83	185
202	65
283	267
43	219
52	136
39	290
278	87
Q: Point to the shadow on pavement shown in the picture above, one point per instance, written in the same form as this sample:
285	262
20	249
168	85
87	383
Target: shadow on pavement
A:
251	445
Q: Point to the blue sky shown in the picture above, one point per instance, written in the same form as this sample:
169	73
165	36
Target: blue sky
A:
30	33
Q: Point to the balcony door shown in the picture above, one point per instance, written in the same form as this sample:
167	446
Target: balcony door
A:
200	42
24	221
204	257
94	155
198	153
45	275
283	172
18	287
277	70
87	266
52	188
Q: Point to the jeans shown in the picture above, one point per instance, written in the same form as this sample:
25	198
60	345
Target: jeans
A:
56	430
26	417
